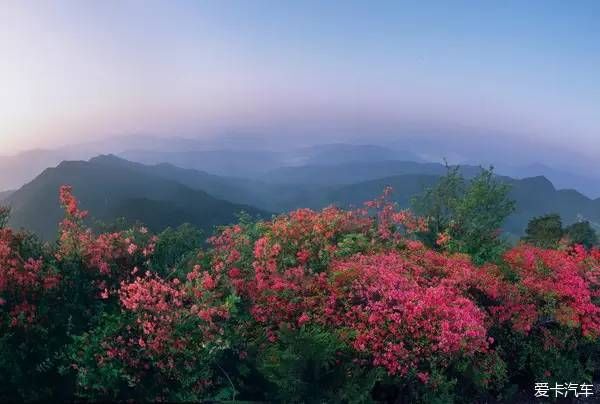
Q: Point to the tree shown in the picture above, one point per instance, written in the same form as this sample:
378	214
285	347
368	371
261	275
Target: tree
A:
582	233
468	215
439	203
479	217
544	231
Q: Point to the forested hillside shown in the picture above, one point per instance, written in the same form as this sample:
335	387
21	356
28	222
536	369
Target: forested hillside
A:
112	191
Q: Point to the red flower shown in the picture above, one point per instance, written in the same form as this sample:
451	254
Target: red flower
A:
442	239
423	376
303	319
208	282
234	273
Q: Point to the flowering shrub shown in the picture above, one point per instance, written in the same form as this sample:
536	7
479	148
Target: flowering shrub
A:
331	305
402	316
547	313
23	282
554	288
161	345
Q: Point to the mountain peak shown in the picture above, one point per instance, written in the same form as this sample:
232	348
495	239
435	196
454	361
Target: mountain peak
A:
108	158
109	188
539	181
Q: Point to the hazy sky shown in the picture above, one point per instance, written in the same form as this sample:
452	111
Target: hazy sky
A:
71	71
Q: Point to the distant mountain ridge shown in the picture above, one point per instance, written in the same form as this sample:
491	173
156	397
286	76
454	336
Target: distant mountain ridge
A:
352	172
534	196
340	153
219	162
239	157
206	155
165	195
110	191
271	197
255	163
561	179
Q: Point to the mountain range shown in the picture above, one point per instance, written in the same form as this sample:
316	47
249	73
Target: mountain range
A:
162	195
18	169
257	163
111	191
248	157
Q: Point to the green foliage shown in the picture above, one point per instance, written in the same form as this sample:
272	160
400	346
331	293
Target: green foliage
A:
547	232
440	203
28	364
352	244
175	247
454	382
29	358
582	233
310	365
118	379
544	231
479	216
534	357
97	382
116	225
4	215
470	213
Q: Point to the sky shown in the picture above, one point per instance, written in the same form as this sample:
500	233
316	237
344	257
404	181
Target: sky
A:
507	71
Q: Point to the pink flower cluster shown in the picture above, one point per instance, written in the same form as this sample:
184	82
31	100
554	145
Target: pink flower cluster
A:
404	313
553	287
398	302
390	221
23	281
402	308
106	254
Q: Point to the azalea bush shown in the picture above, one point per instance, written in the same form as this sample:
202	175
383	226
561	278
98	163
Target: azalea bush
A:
548	322
311	306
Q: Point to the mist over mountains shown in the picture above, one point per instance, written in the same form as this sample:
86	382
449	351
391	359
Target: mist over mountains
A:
260	158
211	187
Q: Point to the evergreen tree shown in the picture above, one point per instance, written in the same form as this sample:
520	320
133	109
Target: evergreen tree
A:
582	233
469	213
544	231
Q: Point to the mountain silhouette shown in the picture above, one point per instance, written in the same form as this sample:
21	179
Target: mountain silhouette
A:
110	189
